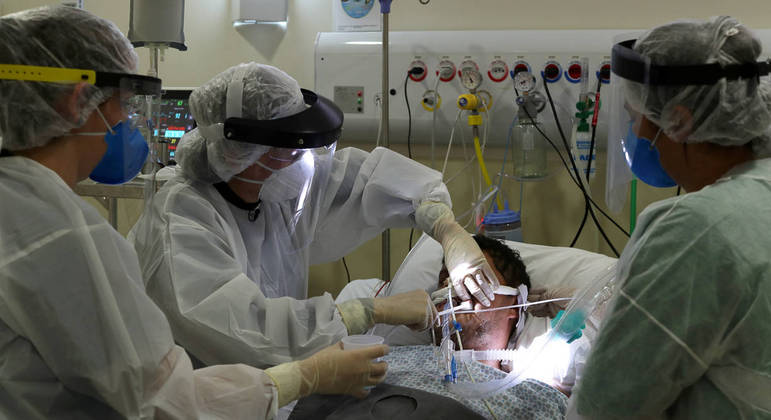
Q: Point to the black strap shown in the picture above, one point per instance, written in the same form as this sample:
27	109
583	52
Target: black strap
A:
319	125
231	197
5	153
630	65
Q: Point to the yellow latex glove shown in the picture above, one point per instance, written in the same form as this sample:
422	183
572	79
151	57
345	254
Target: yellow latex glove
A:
413	309
330	371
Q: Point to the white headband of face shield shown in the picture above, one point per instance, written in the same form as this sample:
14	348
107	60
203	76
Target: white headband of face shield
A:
508	291
235	94
467	307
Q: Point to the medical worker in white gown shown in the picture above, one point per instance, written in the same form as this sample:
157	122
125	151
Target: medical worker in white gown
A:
688	334
261	195
79	337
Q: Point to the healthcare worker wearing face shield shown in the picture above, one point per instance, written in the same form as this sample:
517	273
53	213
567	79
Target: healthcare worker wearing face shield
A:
688	333
263	194
79	336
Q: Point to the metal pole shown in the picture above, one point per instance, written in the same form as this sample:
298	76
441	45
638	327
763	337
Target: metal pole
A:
158	150
386	94
112	212
154	54
152	139
386	236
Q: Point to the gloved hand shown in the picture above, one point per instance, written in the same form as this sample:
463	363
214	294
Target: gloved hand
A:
549	310
330	371
413	309
470	274
571	327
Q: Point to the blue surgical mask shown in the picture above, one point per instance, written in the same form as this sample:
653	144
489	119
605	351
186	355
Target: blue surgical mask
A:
126	153
645	163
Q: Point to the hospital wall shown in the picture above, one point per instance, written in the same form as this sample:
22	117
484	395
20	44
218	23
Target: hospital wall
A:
552	209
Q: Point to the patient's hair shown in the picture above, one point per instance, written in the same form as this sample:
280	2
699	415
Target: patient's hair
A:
507	261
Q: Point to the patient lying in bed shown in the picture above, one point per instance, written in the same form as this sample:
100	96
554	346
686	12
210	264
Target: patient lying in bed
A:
419	367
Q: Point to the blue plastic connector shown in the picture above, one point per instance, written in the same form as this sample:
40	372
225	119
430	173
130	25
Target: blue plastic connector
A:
457	326
385	6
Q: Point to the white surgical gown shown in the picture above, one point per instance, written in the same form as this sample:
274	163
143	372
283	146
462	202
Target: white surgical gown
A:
234	291
79	338
689	335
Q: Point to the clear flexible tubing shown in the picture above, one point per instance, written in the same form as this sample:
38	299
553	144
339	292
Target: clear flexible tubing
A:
469	355
449	143
433	120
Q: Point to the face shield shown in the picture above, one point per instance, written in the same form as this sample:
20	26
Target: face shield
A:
300	149
636	82
135	91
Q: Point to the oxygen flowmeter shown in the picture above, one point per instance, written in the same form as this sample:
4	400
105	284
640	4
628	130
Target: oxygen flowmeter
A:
530	157
471	79
582	145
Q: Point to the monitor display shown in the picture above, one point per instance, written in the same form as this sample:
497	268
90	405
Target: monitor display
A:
175	118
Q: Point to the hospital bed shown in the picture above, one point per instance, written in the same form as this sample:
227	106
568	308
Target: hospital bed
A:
546	266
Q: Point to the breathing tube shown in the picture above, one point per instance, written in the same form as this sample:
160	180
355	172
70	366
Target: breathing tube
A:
584	303
469	355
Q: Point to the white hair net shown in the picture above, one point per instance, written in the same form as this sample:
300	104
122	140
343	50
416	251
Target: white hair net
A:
730	112
30	112
268	93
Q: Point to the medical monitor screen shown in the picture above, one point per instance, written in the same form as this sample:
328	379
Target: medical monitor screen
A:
175	117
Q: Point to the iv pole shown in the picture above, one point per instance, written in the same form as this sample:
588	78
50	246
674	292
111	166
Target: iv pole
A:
385	11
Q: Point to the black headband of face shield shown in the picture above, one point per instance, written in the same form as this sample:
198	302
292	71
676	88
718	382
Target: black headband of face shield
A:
627	63
136	83
318	126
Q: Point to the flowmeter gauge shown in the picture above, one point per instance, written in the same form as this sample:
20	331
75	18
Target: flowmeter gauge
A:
524	81
470	76
471	79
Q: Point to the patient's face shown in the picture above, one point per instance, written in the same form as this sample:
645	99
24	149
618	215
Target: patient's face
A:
484	330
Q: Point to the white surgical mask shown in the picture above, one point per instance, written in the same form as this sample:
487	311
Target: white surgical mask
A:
248	181
255	181
287	183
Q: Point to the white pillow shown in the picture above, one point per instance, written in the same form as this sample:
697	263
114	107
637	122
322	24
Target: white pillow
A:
547	266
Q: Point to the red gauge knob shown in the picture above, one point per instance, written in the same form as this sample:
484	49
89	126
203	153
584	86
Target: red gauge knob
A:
498	71
552	72
519	68
605	73
574	71
415	73
446	71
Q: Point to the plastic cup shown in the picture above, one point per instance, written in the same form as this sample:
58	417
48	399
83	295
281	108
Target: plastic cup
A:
353	342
